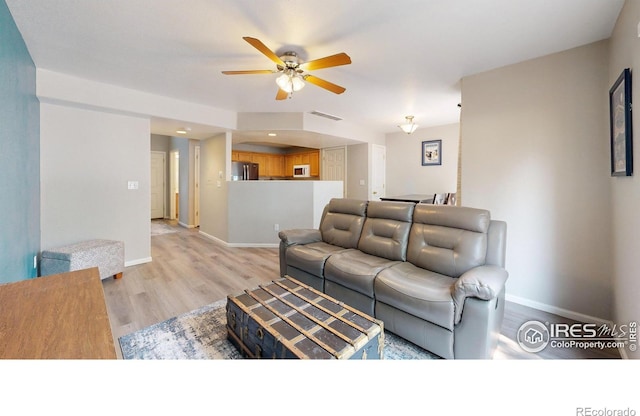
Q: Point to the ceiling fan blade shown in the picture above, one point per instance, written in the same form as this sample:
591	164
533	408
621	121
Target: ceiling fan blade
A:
326	62
282	94
257	71
325	84
266	51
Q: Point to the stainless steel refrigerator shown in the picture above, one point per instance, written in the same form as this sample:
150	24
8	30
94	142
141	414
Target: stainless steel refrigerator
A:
244	171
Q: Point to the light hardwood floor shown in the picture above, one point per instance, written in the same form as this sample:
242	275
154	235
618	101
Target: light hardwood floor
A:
189	271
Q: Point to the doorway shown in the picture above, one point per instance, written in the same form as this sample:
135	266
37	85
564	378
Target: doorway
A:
174	187
158	174
378	171
334	165
196	183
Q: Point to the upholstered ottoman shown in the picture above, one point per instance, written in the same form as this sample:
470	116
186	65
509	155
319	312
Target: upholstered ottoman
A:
107	255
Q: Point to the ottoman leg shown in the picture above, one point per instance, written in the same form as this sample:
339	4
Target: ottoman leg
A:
118	275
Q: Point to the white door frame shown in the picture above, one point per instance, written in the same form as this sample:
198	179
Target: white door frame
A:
196	181
378	171
174	180
164	180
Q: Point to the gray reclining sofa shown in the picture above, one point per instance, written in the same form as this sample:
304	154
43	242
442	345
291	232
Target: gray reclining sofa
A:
434	274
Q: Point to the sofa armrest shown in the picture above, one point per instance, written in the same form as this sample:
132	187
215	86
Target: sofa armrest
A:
484	282
299	236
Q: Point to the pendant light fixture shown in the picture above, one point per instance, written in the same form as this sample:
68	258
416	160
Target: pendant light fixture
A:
408	127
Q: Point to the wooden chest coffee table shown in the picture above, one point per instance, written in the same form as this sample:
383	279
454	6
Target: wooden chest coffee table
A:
288	319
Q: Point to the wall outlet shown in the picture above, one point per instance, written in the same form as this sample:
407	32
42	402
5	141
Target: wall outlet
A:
132	185
276	227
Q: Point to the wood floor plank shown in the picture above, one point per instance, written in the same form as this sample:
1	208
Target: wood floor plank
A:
189	271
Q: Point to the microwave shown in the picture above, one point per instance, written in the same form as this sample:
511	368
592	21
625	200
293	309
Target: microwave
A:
301	171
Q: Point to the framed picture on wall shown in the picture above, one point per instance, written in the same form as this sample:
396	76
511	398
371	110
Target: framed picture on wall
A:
432	152
620	124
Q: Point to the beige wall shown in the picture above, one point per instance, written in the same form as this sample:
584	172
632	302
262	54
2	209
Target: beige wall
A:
625	191
357	170
535	153
87	158
214	189
405	173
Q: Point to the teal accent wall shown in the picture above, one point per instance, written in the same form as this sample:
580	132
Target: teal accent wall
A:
19	155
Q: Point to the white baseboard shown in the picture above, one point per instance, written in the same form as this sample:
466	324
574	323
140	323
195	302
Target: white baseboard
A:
254	245
214	239
245	245
185	225
576	316
137	261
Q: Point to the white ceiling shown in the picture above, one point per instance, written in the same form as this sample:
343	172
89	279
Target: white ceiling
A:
408	56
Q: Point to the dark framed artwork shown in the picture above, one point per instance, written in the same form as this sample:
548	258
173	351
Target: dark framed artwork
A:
620	124
432	152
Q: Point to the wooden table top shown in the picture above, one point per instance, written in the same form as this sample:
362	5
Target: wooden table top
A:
59	316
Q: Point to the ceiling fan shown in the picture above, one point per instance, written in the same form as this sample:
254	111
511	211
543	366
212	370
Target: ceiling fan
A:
292	70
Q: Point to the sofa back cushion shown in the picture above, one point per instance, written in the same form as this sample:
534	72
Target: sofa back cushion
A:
342	222
386	229
448	239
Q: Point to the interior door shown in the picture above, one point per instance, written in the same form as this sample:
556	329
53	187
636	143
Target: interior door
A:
334	162
158	173
196	182
378	171
174	181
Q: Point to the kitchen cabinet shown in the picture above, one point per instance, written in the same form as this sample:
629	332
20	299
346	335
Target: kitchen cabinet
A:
280	166
276	165
311	158
262	159
288	165
245	156
314	163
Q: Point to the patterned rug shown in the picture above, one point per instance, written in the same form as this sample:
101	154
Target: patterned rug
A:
201	334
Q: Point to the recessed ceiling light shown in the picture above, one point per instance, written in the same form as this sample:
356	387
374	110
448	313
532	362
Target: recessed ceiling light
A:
183	130
272	134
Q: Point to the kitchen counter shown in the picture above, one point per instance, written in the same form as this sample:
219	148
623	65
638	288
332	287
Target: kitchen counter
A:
416	198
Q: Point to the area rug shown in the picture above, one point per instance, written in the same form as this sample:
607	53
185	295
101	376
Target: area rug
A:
201	334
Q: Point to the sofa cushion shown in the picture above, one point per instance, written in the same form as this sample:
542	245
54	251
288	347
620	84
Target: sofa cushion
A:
385	232
355	270
471	219
419	292
311	258
342	222
447	239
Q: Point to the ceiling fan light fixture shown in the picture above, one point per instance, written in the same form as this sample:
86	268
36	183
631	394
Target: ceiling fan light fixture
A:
292	70
408	127
290	81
